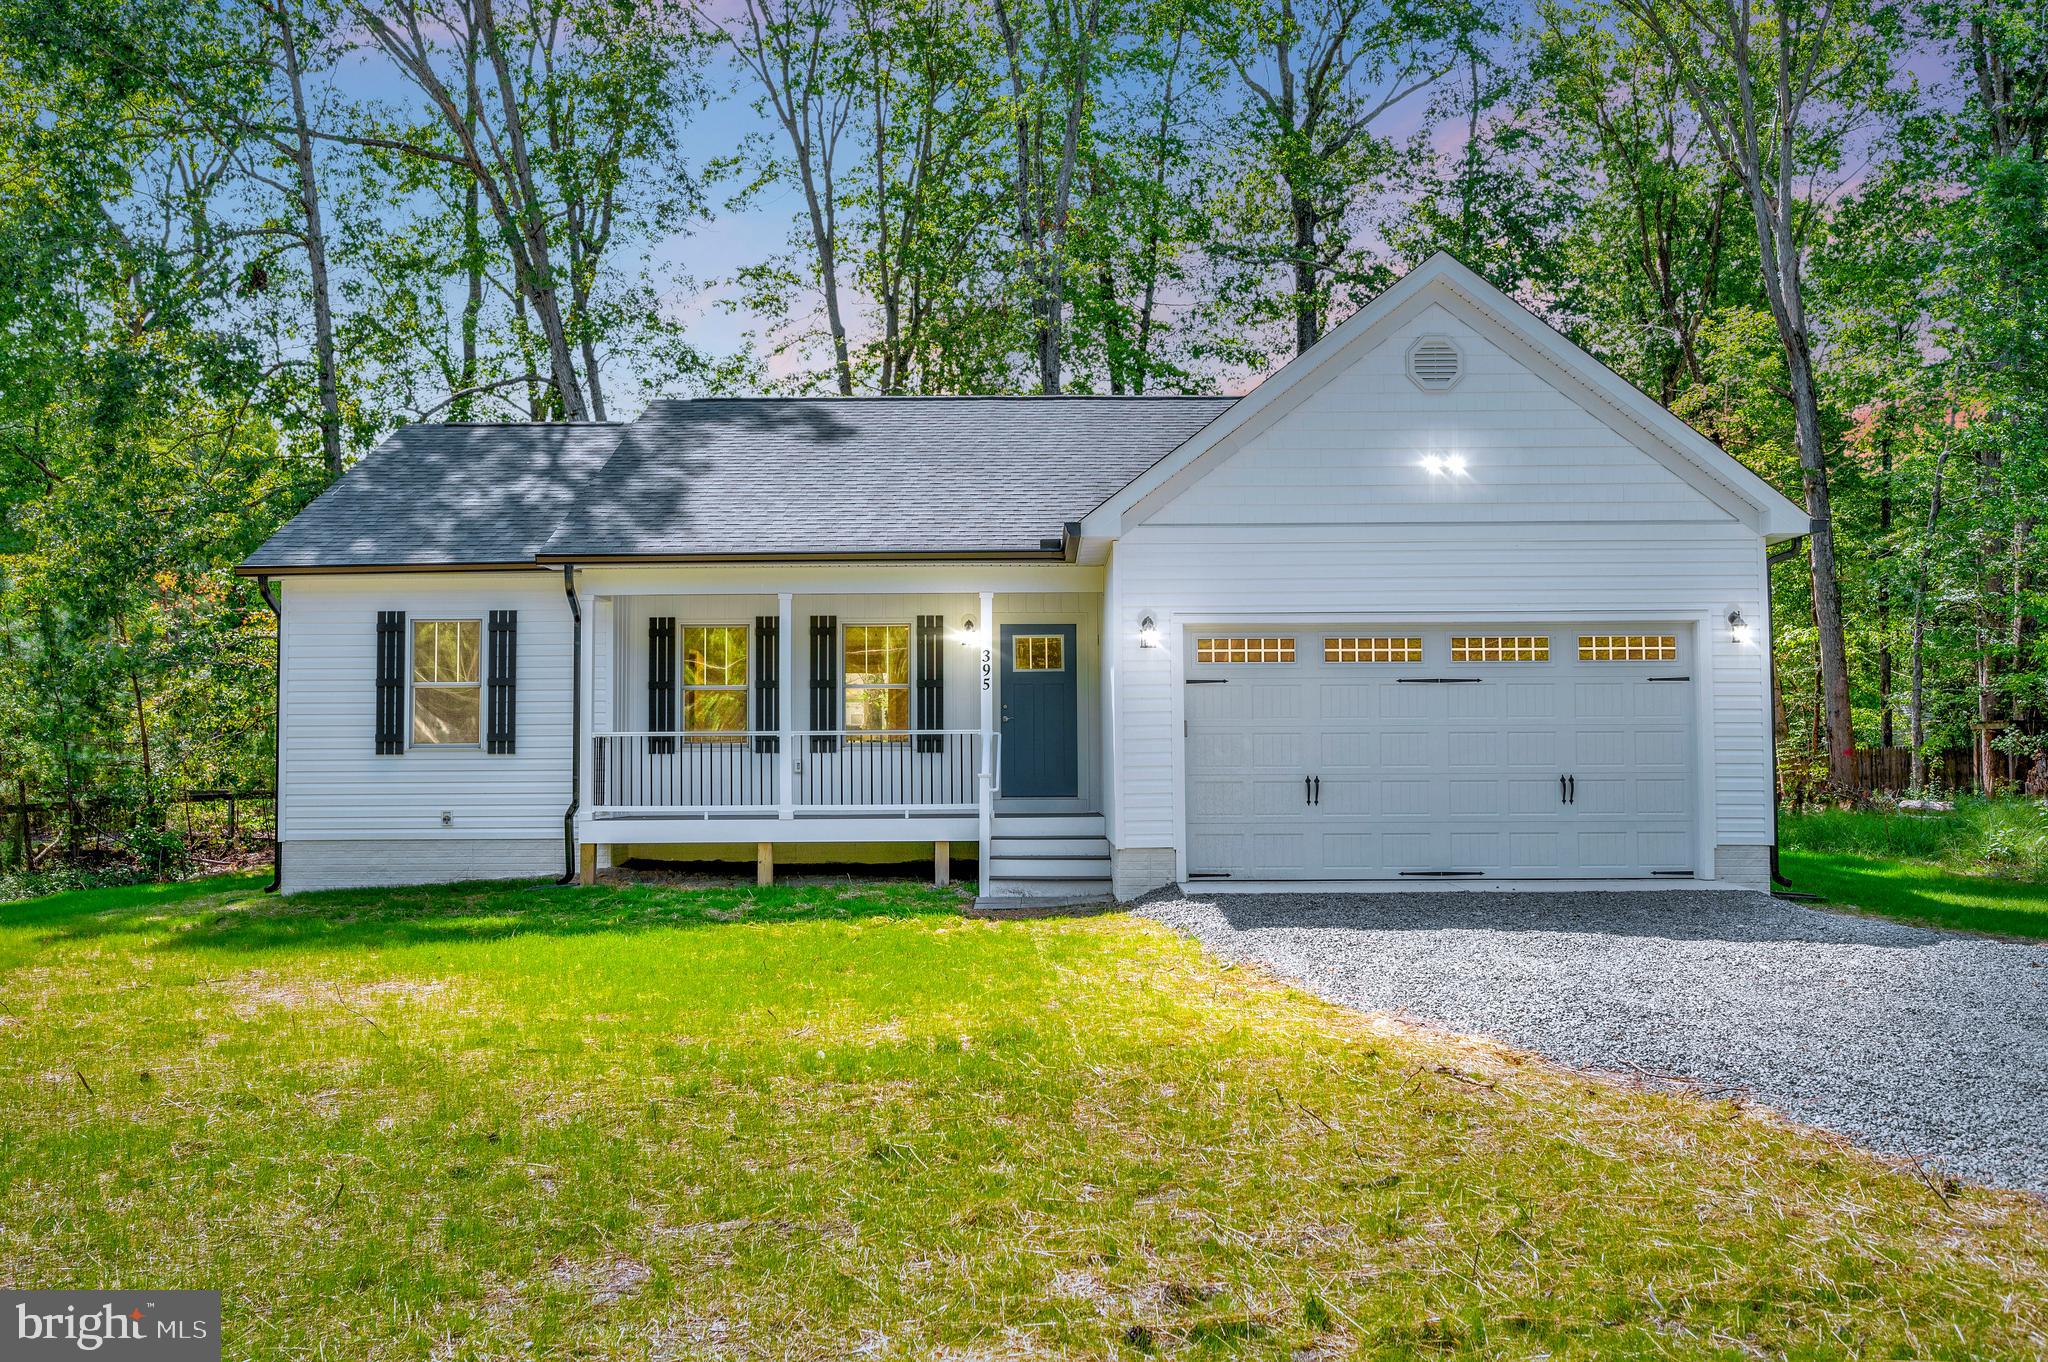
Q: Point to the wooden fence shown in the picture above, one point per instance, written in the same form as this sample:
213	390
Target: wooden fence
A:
1890	769
212	824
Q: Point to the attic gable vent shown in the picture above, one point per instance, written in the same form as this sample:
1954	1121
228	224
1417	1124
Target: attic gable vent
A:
1435	364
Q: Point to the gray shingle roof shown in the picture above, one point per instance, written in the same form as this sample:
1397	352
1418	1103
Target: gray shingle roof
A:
434	495
739	476
770	477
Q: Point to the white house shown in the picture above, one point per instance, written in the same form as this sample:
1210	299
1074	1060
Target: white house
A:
1442	601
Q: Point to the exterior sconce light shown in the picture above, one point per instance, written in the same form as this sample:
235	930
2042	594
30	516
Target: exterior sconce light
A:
1148	631
1743	633
969	636
1444	465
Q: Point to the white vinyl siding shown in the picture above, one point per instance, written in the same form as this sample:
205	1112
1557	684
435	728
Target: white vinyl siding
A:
336	788
1353	452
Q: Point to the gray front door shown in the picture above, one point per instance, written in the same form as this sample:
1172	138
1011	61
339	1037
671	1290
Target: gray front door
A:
1040	755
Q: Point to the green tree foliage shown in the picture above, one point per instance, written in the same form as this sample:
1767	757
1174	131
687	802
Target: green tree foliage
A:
238	244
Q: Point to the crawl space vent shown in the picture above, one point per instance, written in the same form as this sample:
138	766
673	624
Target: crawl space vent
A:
1434	363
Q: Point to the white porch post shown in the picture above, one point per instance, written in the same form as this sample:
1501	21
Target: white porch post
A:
785	750
585	664
986	806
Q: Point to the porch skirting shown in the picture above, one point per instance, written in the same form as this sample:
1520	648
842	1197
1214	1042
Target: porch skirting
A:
367	864
793	854
1137	871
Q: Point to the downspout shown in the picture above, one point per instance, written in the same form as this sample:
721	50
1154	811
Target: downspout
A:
1779	555
575	725
276	742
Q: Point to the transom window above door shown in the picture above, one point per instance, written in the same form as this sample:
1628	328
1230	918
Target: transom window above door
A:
1038	653
1500	648
714	678
1244	650
1628	647
877	678
1374	649
446	691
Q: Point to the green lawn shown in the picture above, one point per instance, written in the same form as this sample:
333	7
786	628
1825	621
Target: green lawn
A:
643	1123
1915	891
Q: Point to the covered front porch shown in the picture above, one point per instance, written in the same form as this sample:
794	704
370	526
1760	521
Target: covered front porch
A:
851	705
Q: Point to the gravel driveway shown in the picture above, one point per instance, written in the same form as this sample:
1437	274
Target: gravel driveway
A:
1909	1041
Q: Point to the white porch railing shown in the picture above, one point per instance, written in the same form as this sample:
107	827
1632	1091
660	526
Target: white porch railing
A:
864	773
686	773
872	772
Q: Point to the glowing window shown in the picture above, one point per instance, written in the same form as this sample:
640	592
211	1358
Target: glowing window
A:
1628	647
1500	648
1244	650
877	678
714	679
1038	653
1394	649
446	696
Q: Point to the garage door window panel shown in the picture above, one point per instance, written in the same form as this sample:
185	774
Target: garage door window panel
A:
1244	650
1628	647
1372	649
1500	648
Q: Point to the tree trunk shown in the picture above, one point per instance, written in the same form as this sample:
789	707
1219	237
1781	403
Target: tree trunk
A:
1916	711
1987	771
1884	601
1820	547
521	217
825	236
530	223
1307	311
472	257
1918	646
316	247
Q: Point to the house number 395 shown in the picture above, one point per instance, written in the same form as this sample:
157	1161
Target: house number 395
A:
988	666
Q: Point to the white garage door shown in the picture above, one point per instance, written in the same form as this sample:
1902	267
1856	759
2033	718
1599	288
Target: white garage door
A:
1385	753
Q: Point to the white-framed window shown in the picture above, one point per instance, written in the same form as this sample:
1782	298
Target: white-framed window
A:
1038	653
876	658
714	681
447	683
1244	650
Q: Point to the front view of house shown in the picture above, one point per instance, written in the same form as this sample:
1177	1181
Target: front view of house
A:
1443	601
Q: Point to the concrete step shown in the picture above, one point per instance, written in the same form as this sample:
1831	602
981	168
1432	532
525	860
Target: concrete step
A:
1049	825
1066	890
1048	846
1049	867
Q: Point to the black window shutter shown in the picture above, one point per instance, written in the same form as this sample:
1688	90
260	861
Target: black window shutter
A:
767	682
931	683
661	681
390	682
824	682
500	734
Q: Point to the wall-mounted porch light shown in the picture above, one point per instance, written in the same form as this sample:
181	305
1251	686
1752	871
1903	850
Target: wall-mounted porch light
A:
1148	631
969	634
1740	628
1444	465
